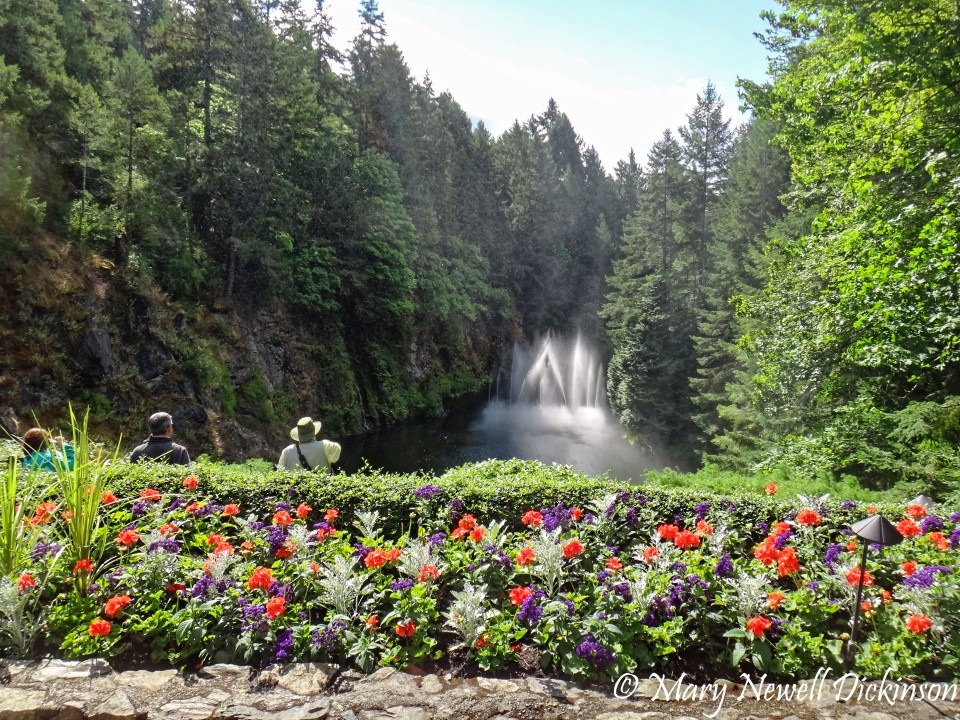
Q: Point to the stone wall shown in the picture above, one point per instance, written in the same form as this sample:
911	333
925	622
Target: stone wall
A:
91	689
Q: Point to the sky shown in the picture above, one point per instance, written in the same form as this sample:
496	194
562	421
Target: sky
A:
622	70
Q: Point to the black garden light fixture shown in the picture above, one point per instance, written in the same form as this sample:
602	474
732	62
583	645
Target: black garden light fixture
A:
874	529
922	500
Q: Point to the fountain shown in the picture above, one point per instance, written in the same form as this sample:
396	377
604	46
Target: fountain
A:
549	405
559	374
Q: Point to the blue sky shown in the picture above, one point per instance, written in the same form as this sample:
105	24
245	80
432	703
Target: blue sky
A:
622	70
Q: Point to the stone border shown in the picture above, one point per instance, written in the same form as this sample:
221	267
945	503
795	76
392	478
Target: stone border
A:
92	690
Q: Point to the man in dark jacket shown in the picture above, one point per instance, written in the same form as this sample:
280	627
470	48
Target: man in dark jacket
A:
160	445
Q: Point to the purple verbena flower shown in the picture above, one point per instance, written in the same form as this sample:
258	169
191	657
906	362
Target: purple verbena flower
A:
168	546
530	613
832	554
701	510
426	492
925	576
331	637
930	524
592	651
724	567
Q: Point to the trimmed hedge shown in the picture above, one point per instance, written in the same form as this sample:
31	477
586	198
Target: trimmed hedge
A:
490	489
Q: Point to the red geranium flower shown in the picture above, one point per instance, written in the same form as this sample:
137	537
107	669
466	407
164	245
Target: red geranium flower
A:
526	556
667	532
128	537
372	622
149	495
650	553
375	559
576	513
190	483
303	510
214	539
853	577
787	562
223	547
766	552
780	528
83	565
276	606
519	594
852	546
572	549
919	624
26	581
108	498
614	564
231	510
429	572
477	534
808	517
286	550
331	515
176	587
771	489
406	629
774	599
115	605
532	518
260	578
481	642
704	528
908	528
758	625
168	529
909	568
686	540
282	517
917	512
939	540
99	628
393	554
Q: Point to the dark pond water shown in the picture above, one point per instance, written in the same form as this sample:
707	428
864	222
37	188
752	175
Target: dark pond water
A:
589	439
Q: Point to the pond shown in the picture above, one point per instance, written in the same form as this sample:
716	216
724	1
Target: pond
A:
473	429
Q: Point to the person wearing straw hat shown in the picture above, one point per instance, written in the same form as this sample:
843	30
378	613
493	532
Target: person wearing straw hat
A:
308	453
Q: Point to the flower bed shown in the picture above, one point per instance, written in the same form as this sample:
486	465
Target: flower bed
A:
204	569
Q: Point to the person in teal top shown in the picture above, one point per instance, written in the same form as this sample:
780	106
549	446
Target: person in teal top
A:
41	452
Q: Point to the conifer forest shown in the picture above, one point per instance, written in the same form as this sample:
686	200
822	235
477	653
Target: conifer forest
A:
782	292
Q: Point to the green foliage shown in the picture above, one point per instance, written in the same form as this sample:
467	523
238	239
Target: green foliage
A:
212	373
256	393
80	487
853	324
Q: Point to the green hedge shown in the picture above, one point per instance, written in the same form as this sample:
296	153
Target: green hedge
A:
490	489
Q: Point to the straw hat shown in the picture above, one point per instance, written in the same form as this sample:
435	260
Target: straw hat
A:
306	430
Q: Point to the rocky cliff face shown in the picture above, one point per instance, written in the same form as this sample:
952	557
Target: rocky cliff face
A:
74	328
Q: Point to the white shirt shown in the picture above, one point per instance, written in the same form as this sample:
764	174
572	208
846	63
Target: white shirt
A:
319	454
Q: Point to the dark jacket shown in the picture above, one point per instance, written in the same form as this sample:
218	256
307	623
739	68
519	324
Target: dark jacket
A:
158	447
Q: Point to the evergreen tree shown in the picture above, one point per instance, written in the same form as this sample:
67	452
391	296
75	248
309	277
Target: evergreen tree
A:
749	207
